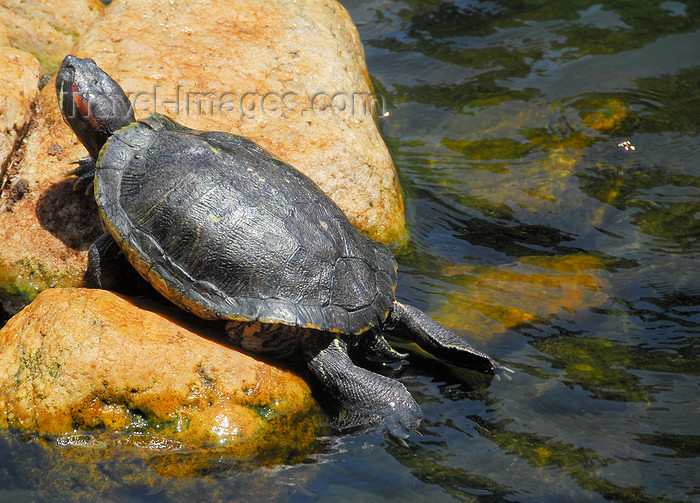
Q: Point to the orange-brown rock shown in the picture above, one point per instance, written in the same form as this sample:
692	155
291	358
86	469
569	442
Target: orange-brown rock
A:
91	359
19	84
47	28
276	72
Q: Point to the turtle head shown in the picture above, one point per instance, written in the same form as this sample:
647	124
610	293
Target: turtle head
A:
92	103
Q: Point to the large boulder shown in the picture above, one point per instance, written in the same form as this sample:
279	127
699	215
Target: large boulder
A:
81	359
290	75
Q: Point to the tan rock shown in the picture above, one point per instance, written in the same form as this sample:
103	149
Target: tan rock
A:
4	41
243	56
47	28
85	359
19	84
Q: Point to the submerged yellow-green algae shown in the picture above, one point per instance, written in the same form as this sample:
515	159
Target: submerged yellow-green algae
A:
437	467
583	465
603	114
428	25
673	221
606	368
490	300
538	165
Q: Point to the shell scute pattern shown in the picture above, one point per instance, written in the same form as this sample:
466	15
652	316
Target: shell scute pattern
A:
227	230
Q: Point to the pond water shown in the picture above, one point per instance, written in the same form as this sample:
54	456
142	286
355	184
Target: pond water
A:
549	155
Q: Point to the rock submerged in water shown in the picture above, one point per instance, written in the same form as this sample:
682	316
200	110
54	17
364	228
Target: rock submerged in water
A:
81	359
276	72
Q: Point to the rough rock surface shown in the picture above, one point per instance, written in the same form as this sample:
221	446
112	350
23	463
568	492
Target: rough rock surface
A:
85	359
276	72
19	84
47	28
4	40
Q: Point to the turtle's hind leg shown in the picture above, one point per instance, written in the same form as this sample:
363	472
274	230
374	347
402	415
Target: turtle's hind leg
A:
370	400
413	324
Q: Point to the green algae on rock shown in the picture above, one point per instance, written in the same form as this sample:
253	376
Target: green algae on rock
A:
86	360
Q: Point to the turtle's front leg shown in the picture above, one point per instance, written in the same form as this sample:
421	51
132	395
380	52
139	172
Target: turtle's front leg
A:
86	175
413	324
369	399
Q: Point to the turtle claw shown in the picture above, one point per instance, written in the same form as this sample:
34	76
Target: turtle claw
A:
85	165
82	160
90	186
502	372
85	173
376	346
85	184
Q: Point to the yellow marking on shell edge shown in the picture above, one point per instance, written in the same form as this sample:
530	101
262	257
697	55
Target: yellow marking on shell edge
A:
214	218
166	290
214	149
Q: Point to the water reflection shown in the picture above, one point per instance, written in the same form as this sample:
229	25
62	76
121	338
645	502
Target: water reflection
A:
536	136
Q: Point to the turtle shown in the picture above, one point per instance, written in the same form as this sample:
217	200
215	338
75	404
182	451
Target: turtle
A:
226	230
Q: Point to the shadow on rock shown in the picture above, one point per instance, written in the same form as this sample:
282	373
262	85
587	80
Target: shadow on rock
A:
70	216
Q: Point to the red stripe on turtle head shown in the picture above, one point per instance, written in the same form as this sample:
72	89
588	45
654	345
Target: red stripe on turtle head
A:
84	108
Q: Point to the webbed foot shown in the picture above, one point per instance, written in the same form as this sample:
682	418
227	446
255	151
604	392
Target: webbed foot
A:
375	347
370	400
414	325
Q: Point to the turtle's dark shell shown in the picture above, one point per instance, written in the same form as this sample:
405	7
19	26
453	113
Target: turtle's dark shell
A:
227	231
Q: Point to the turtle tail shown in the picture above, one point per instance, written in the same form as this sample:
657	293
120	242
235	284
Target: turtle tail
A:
413	324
